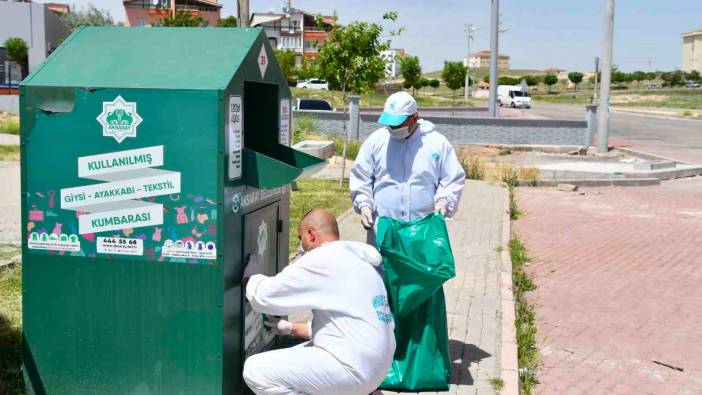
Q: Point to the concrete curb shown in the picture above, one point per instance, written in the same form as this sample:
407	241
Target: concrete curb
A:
649	156
548	149
620	182
509	367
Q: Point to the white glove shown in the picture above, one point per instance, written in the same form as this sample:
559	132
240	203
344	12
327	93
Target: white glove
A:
440	207
252	266
367	217
278	326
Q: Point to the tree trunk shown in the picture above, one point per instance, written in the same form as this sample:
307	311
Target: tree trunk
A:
346	139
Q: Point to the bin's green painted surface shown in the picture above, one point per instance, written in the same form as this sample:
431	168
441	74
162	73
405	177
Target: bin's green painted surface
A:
163	58
133	230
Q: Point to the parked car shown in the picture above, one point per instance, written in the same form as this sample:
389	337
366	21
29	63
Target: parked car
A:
692	84
313	105
313	84
651	86
513	96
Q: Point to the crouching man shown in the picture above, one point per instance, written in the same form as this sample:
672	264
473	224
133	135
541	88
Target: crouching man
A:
351	336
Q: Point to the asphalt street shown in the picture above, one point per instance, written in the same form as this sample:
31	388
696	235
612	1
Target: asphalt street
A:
677	138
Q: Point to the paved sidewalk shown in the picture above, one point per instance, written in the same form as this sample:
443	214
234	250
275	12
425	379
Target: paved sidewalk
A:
473	296
619	301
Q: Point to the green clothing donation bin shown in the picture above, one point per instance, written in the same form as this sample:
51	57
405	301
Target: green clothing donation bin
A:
154	160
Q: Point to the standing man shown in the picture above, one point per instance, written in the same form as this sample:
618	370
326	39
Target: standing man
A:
405	170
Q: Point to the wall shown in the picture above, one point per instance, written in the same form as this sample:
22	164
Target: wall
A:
33	23
692	53
473	130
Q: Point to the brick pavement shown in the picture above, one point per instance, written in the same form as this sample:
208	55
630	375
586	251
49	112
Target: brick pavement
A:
473	296
618	272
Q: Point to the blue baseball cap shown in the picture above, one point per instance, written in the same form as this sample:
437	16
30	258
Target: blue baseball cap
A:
398	107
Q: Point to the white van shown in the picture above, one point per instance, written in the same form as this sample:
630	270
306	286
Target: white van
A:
513	96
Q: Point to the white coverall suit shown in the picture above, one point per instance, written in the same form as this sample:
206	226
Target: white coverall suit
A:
404	179
352	335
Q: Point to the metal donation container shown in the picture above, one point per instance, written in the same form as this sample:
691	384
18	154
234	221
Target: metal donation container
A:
154	160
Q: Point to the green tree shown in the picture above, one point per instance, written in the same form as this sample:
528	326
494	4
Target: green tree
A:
229	21
350	60
507	81
89	16
550	80
17	50
307	69
181	19
424	82
412	72
530	80
673	78
434	83
638	76
286	60
693	75
486	79
575	77
618	77
454	76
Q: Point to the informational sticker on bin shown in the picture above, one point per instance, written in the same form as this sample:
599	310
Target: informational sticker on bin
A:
124	203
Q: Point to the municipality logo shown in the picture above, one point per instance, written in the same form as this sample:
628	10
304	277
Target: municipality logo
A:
119	119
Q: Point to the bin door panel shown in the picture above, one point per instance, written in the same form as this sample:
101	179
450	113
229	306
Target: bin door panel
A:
260	239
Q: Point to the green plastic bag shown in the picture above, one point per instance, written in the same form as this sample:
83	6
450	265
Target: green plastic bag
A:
417	259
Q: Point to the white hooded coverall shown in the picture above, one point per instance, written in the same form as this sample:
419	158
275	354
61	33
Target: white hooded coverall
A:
352	340
404	179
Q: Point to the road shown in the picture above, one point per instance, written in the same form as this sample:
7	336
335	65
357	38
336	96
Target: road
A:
671	137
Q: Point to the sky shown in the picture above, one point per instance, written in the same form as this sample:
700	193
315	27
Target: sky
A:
566	34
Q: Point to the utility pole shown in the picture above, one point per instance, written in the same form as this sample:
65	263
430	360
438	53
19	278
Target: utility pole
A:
494	37
597	72
605	84
469	36
244	16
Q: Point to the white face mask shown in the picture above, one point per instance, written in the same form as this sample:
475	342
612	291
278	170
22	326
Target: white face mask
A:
399	133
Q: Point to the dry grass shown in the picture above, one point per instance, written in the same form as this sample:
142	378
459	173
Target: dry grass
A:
484	168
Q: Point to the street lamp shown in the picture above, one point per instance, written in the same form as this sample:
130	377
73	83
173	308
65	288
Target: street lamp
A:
469	29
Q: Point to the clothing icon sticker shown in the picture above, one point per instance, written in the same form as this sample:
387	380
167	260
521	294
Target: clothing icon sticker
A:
262	239
119	119
236	203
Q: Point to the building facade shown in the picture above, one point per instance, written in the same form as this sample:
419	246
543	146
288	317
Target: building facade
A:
34	23
295	30
481	59
392	62
692	51
144	13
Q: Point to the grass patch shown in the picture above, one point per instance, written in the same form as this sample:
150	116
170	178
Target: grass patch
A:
480	168
428	97
686	99
9	126
11	381
9	152
306	129
9	123
497	384
527	353
313	193
474	167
